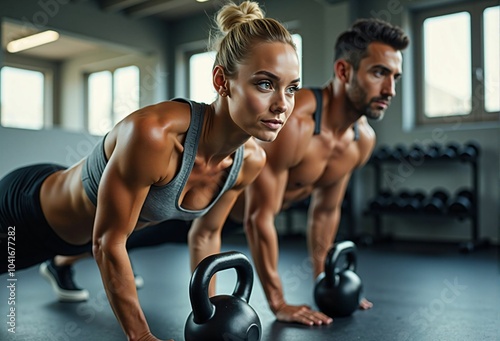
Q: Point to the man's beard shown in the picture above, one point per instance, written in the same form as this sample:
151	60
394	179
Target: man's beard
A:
377	114
358	96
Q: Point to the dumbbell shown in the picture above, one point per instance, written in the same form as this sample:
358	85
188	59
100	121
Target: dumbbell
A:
437	203
381	201
433	151
462	203
470	151
381	154
399	152
416	151
414	202
451	151
398	202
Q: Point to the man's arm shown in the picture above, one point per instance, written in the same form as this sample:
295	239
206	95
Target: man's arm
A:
263	202
204	237
325	210
323	221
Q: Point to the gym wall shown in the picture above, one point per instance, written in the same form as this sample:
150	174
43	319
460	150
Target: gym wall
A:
319	22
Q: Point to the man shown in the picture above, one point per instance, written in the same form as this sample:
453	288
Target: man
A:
316	153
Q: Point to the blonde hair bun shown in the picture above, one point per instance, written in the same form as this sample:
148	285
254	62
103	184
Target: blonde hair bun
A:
232	15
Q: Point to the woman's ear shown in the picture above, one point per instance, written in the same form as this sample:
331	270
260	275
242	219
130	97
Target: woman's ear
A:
220	81
343	70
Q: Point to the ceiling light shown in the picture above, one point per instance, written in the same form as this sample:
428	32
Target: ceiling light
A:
201	0
32	41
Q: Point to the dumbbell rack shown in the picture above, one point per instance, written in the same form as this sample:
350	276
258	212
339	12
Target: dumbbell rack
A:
472	214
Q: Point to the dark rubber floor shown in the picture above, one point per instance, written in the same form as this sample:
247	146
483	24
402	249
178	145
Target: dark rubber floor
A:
420	292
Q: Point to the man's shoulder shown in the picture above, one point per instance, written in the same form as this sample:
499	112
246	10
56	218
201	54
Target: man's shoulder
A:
305	101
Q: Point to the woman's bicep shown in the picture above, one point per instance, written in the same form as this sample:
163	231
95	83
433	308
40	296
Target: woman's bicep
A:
122	192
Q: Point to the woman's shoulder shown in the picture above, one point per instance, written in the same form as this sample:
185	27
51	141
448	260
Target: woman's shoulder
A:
254	160
153	127
166	117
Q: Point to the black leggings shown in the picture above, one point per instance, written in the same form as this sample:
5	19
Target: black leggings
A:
25	234
33	241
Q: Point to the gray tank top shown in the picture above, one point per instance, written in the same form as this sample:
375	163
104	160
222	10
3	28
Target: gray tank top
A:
162	202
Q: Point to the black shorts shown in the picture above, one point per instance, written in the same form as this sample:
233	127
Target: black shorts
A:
26	239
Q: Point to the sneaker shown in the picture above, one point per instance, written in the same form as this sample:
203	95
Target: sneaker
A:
61	279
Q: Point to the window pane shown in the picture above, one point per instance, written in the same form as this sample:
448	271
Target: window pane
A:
297	39
447	64
22	98
100	102
126	92
492	58
200	71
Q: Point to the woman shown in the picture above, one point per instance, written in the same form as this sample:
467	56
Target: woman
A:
174	160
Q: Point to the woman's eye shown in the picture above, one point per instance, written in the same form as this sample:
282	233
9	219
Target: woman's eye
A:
293	89
265	85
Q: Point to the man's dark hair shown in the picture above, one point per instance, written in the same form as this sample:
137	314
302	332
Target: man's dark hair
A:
352	44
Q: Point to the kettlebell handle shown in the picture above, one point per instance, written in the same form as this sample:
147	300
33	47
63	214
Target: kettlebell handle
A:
345	247
203	309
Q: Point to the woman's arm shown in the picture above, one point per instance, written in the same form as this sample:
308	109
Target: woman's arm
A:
132	168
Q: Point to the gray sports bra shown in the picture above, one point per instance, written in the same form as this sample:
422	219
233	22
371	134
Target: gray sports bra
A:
162	202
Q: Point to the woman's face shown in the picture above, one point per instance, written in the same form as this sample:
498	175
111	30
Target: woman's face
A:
262	95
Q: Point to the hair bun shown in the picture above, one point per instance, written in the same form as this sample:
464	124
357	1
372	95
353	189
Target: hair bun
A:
232	15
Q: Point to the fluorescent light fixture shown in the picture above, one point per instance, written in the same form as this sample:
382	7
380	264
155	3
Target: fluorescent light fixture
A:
201	0
32	41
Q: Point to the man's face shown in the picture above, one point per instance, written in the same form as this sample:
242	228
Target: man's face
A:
373	85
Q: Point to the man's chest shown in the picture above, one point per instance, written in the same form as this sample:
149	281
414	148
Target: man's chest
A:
324	163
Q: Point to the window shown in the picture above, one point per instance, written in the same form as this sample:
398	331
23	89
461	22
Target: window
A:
457	63
22	98
200	73
112	95
491	30
200	77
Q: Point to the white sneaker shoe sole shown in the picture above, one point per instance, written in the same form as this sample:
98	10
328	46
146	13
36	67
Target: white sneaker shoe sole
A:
63	295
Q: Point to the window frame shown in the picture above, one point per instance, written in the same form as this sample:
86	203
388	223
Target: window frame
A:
48	115
112	114
478	112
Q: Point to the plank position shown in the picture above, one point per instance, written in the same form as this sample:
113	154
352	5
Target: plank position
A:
173	160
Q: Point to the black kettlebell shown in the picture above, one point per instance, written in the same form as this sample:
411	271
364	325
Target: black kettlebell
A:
338	290
222	317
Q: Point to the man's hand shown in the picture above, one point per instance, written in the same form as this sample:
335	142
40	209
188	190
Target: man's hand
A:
150	337
301	314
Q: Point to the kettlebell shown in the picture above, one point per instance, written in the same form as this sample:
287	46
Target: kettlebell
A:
222	317
337	292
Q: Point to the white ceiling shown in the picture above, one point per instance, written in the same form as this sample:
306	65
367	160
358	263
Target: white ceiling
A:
68	46
64	48
165	9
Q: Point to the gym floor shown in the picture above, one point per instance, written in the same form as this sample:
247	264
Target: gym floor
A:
420	292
